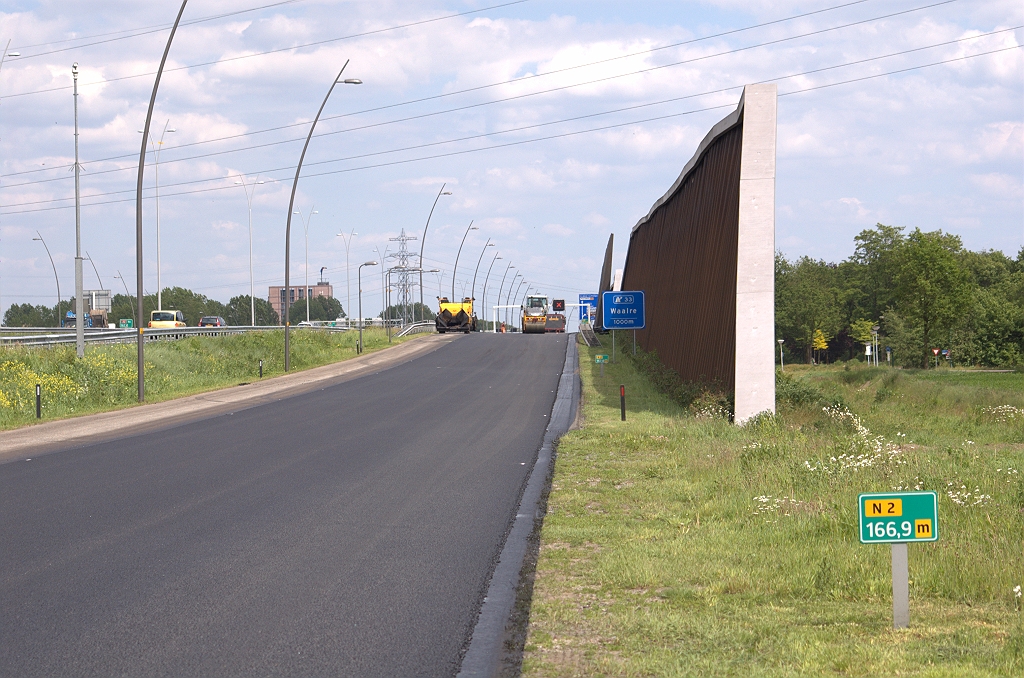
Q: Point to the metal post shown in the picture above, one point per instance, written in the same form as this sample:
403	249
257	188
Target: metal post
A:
126	292
634	343
423	241
508	296
500	287
472	290
458	254
613	347
79	301
782	362
348	277
291	206
900	587
486	280
622	400
138	204
249	195
359	293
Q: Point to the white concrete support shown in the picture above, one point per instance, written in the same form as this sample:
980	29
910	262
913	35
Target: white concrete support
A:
755	257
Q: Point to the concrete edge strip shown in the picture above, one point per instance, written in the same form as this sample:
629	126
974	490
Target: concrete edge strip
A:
484	654
50	436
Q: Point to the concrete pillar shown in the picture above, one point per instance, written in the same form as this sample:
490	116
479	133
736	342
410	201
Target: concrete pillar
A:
755	257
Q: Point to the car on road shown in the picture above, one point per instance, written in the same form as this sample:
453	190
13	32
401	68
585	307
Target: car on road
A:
166	319
212	321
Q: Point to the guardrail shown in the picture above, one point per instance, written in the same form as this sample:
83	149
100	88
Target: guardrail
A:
417	328
52	336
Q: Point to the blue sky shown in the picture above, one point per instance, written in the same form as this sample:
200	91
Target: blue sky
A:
934	147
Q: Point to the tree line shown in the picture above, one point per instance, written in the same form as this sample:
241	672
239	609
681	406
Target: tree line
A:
238	310
921	290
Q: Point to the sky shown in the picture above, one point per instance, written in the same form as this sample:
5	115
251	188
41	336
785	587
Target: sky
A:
553	123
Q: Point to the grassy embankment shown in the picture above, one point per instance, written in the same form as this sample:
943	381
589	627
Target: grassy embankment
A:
680	544
105	378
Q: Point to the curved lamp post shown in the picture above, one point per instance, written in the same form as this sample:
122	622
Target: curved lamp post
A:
508	296
521	283
305	230
249	193
348	276
157	147
291	207
456	268
126	292
500	288
40	239
383	300
472	290
423	241
138	205
486	278
359	292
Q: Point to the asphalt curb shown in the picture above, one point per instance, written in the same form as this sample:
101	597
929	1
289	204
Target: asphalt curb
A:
485	653
51	436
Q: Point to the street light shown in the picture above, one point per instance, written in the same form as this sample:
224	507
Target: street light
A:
79	301
423	241
500	287
305	229
139	287
782	364
508	296
348	274
40	239
127	294
359	285
472	290
157	147
486	278
456	268
383	301
291	206
249	193
521	283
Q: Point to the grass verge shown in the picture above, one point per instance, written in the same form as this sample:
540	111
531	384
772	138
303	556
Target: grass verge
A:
105	379
677	544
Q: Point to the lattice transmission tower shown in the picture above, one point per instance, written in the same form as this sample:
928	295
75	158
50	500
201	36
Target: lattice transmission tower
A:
402	280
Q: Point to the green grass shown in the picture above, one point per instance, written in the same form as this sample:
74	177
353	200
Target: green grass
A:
683	545
105	378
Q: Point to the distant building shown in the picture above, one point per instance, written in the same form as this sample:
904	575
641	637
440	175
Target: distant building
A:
276	298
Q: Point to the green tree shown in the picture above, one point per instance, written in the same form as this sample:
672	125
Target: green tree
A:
807	298
27	315
932	288
875	264
239	311
320	308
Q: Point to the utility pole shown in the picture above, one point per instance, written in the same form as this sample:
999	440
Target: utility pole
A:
79	301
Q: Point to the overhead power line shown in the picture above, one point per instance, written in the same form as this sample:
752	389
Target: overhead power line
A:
274	51
135	32
537	139
491	102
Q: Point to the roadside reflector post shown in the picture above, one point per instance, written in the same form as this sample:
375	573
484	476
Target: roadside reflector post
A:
39	401
899	518
261	368
622	400
900	587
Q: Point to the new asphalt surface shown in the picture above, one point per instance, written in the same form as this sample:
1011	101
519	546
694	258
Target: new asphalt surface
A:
350	531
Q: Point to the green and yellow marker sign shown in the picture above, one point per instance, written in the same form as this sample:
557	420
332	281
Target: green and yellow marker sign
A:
601	358
898	517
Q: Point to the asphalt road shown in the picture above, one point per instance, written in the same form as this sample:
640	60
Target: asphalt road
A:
345	532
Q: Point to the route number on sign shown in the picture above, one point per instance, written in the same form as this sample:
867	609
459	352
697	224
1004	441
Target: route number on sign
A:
898	517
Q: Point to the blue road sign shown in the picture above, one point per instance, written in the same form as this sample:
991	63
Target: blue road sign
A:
588	301
623	311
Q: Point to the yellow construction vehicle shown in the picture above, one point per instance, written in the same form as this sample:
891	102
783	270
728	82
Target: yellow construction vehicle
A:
534	315
455	316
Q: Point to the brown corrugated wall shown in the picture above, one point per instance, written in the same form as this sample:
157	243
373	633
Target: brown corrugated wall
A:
684	259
